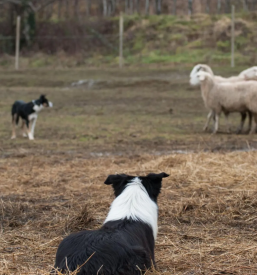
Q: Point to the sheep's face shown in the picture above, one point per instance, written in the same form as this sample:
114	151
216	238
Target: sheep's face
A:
194	80
200	77
250	74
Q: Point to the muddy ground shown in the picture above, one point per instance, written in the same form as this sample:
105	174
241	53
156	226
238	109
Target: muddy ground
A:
133	121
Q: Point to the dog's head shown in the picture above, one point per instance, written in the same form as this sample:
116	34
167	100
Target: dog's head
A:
152	183
44	101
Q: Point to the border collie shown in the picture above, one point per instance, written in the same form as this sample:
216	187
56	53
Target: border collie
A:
125	243
28	113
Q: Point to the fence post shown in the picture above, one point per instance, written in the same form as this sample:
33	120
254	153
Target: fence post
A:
233	37
17	43
121	40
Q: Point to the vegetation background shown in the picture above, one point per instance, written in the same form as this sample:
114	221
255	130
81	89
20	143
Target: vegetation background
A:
65	33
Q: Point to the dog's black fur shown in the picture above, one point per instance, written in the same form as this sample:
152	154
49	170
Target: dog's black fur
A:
124	246
23	110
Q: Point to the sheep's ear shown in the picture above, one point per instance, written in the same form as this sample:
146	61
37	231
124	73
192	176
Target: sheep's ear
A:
112	179
158	176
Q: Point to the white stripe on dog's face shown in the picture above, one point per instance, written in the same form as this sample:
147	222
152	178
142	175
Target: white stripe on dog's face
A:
50	104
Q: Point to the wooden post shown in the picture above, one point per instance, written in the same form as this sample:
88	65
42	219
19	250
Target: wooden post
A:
17	44
121	40
233	37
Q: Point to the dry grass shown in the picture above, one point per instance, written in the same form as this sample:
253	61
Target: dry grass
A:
207	217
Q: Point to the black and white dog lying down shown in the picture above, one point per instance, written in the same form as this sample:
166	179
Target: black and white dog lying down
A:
125	243
28	113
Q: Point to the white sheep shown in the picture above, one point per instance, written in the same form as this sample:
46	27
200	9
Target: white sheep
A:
248	74
228	97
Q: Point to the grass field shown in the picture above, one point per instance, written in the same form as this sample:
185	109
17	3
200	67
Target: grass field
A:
136	121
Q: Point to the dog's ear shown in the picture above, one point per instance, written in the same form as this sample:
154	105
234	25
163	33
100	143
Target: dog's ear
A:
112	179
42	96
157	176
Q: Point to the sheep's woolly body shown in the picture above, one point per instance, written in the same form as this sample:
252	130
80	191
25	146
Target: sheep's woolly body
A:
228	97
248	74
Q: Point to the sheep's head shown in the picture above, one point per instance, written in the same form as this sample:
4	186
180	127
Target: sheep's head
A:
199	68
203	76
249	74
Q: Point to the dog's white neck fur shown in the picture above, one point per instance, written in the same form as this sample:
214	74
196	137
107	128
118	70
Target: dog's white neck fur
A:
134	203
38	108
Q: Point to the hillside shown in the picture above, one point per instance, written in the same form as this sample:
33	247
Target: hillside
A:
154	39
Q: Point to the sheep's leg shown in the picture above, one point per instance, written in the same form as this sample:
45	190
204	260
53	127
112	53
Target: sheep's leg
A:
209	116
227	122
241	126
253	127
250	121
216	124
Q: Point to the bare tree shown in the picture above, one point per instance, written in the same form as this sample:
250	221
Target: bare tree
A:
174	9
147	6
59	9
245	5
158	6
76	9
218	6
131	6
137	6
104	7
88	7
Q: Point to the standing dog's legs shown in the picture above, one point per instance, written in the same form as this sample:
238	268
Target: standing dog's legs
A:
33	126
14	118
24	134
29	129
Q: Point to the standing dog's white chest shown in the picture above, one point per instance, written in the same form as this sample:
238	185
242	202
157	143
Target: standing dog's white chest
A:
33	116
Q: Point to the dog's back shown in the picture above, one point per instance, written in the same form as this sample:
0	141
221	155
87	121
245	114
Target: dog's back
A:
114	249
15	109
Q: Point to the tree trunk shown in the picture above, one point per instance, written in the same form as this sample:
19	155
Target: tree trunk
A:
245	5
76	9
67	9
131	6
147	6
190	7
158	6
218	6
137	6
59	9
104	7
126	6
174	10
88	7
207	8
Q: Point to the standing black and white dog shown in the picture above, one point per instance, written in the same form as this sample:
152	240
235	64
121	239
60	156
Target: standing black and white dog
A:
125	243
28	113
